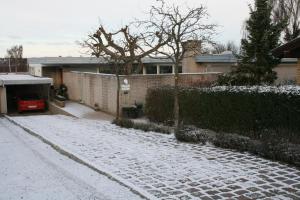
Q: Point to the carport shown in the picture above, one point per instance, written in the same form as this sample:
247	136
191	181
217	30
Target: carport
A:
14	85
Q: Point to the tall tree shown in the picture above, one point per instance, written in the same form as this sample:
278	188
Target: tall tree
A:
288	11
123	48
187	31
256	62
15	54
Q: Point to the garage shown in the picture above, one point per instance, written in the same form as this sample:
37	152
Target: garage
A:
14	87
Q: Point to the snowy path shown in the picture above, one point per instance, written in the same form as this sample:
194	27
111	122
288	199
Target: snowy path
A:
30	169
164	168
82	111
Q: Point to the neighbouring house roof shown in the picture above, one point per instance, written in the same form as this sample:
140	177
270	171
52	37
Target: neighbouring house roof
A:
65	60
290	49
228	57
22	79
216	58
53	61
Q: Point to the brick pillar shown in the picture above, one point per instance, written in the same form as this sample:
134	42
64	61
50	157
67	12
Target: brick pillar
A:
298	72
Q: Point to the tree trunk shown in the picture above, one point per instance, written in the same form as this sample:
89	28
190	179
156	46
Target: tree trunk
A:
176	100
118	93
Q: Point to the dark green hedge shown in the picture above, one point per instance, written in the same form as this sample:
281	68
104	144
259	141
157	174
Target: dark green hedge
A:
254	114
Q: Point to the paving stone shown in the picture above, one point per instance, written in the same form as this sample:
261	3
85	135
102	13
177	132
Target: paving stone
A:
297	186
216	197
192	190
176	192
227	195
159	185
234	187
253	189
241	192
212	192
184	197
243	198
290	190
290	182
225	190
197	194
204	187
206	198
290	196
255	195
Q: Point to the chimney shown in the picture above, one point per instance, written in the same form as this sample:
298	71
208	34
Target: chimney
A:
191	48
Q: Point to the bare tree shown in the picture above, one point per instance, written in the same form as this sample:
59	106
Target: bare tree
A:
289	11
15	54
123	48
187	32
219	48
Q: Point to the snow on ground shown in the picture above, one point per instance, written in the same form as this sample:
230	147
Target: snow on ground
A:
164	168
83	111
30	169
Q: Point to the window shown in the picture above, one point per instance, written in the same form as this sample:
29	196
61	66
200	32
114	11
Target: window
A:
151	69
165	70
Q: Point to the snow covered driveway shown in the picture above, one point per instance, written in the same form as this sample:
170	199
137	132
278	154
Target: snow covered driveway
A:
163	168
30	169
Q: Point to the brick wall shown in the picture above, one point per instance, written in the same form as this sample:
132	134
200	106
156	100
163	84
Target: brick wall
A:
101	89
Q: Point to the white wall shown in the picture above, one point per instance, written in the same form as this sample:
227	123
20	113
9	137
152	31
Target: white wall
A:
3	103
35	70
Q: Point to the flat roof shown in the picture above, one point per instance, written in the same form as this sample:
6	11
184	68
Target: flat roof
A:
231	58
216	58
54	61
22	79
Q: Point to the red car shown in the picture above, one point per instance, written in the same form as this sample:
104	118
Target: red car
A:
30	102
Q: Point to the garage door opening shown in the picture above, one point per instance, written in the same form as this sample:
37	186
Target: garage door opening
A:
16	86
15	92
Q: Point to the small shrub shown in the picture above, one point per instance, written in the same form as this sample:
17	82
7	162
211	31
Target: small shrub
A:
125	123
142	126
193	135
161	129
146	127
232	141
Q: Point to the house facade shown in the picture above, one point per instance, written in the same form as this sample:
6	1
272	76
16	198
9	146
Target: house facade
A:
54	67
226	62
292	50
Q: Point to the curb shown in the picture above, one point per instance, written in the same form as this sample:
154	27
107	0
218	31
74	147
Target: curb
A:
75	158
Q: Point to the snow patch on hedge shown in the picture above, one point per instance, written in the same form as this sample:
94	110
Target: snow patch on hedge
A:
286	89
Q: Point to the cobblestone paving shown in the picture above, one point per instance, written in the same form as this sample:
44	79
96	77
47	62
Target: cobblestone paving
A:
166	169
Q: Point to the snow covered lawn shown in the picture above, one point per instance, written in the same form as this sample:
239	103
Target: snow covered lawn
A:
163	168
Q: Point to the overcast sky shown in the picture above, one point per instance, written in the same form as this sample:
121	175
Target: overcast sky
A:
52	27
